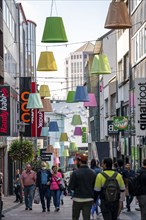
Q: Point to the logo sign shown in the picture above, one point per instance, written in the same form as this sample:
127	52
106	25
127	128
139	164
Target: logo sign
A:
84	135
110	128
140	107
44	155
25	114
4	110
120	123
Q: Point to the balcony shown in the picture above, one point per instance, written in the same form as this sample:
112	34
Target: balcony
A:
1	20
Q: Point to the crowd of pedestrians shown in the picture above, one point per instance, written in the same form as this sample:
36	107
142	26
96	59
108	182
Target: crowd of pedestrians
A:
94	189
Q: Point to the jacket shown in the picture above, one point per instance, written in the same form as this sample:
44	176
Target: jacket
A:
38	181
82	182
55	183
143	181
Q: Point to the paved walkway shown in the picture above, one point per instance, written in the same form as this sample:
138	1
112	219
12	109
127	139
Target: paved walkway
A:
16	210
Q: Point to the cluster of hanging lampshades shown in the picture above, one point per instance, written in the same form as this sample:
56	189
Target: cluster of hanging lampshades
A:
54	32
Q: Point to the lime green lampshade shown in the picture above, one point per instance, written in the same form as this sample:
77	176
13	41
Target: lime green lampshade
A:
63	137
73	146
47	62
65	153
100	64
76	120
44	91
54	31
34	101
70	97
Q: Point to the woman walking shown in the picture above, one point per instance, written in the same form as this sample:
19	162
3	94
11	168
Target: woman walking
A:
55	190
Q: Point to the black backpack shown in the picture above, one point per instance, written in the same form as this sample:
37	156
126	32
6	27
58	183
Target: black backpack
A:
134	185
111	189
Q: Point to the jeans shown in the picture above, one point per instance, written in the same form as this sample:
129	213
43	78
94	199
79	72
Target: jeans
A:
85	207
29	195
56	197
109	210
142	204
95	207
129	199
45	193
18	193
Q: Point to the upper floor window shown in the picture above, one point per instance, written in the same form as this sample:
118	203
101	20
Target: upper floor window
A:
120	72
134	4
126	66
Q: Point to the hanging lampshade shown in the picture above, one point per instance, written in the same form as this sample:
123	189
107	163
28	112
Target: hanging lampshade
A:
78	131
44	132
117	17
53	126
81	94
44	91
63	137
47	62
56	161
70	161
65	153
50	149
76	120
73	146
92	101
56	145
100	64
47	107
54	31
70	97
34	101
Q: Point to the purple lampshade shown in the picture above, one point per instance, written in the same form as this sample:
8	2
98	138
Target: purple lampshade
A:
92	101
78	131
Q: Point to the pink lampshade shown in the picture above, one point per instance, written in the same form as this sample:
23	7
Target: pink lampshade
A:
78	131
92	101
56	160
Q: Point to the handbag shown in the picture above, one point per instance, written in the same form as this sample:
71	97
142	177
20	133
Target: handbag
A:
36	197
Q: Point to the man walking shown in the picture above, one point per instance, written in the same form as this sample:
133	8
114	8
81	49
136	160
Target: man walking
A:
28	181
108	185
43	182
82	184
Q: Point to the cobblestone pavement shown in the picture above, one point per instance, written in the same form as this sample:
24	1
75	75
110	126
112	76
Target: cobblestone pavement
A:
14	211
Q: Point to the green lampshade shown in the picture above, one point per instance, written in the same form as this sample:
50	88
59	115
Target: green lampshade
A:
100	64
44	132
65	153
70	97
63	137
73	146
47	62
54	31
34	101
76	120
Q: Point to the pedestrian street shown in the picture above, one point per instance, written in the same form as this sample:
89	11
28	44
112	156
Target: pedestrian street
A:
20	213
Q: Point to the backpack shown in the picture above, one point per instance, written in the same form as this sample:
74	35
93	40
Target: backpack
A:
134	185
111	189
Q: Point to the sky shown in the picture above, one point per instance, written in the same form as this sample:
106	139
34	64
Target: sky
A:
83	21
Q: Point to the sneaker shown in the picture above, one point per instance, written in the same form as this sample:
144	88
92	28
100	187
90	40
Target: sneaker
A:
30	209
26	208
48	210
62	202
16	201
44	210
2	215
57	209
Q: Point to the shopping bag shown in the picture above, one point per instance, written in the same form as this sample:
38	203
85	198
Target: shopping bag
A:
36	197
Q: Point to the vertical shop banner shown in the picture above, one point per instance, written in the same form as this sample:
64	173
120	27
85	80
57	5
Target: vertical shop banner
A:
25	114
140	106
37	117
4	110
120	123
84	135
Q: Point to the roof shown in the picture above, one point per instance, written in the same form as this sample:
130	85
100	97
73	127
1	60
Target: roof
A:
89	47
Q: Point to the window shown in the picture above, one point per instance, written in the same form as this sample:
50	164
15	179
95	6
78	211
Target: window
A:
120	72
126	66
139	45
135	3
106	107
113	104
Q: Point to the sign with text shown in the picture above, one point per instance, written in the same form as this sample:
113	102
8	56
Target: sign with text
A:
44	155
84	135
4	110
140	106
25	114
110	128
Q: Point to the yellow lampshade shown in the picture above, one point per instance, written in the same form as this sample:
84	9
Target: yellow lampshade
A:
44	91
47	62
65	153
47	107
63	137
